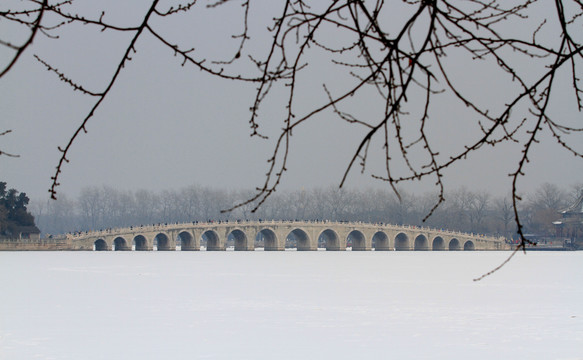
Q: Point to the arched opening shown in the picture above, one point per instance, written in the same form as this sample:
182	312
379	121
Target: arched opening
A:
187	242
298	239
100	245
438	244
402	242
230	242
421	243
356	241
380	242
469	246
259	242
210	240
162	243
239	240
454	245
267	239
329	240
120	244
140	243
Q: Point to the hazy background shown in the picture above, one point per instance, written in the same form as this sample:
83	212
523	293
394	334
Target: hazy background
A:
165	126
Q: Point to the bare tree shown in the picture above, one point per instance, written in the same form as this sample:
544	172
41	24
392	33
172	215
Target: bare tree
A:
59	216
504	214
459	208
145	203
548	196
478	211
402	207
383	60
92	208
574	192
543	207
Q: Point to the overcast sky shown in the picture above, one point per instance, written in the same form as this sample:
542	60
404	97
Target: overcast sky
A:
165	126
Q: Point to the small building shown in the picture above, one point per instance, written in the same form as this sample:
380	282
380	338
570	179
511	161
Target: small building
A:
570	225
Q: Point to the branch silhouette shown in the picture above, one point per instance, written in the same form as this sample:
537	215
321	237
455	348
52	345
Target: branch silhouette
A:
403	62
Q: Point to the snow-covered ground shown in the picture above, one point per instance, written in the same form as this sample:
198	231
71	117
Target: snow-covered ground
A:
290	305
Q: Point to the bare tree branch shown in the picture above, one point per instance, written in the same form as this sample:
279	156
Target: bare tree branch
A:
404	63
34	25
4	152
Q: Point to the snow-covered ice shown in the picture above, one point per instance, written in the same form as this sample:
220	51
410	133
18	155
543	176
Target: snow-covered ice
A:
290	305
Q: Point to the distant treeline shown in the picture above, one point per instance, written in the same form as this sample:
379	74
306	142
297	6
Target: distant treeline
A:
464	210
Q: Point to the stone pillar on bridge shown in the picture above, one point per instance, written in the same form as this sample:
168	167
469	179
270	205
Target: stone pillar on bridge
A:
311	241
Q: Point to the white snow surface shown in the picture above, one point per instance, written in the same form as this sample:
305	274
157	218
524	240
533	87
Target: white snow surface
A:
290	305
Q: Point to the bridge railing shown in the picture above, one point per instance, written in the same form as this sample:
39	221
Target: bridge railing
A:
46	240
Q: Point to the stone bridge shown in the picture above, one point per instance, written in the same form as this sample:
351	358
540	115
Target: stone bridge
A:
279	235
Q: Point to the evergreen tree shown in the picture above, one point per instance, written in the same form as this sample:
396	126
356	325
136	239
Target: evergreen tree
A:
13	213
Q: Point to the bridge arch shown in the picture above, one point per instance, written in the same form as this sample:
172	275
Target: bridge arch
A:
163	242
300	238
454	245
380	241
187	241
329	239
100	245
357	240
421	243
212	241
402	242
469	246
438	244
141	243
240	239
269	238
120	244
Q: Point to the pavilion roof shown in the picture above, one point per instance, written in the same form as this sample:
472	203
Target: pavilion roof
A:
576	207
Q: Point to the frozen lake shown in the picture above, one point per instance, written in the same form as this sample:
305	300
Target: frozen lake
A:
290	305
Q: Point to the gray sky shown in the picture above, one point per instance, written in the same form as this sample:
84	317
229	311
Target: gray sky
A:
165	126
